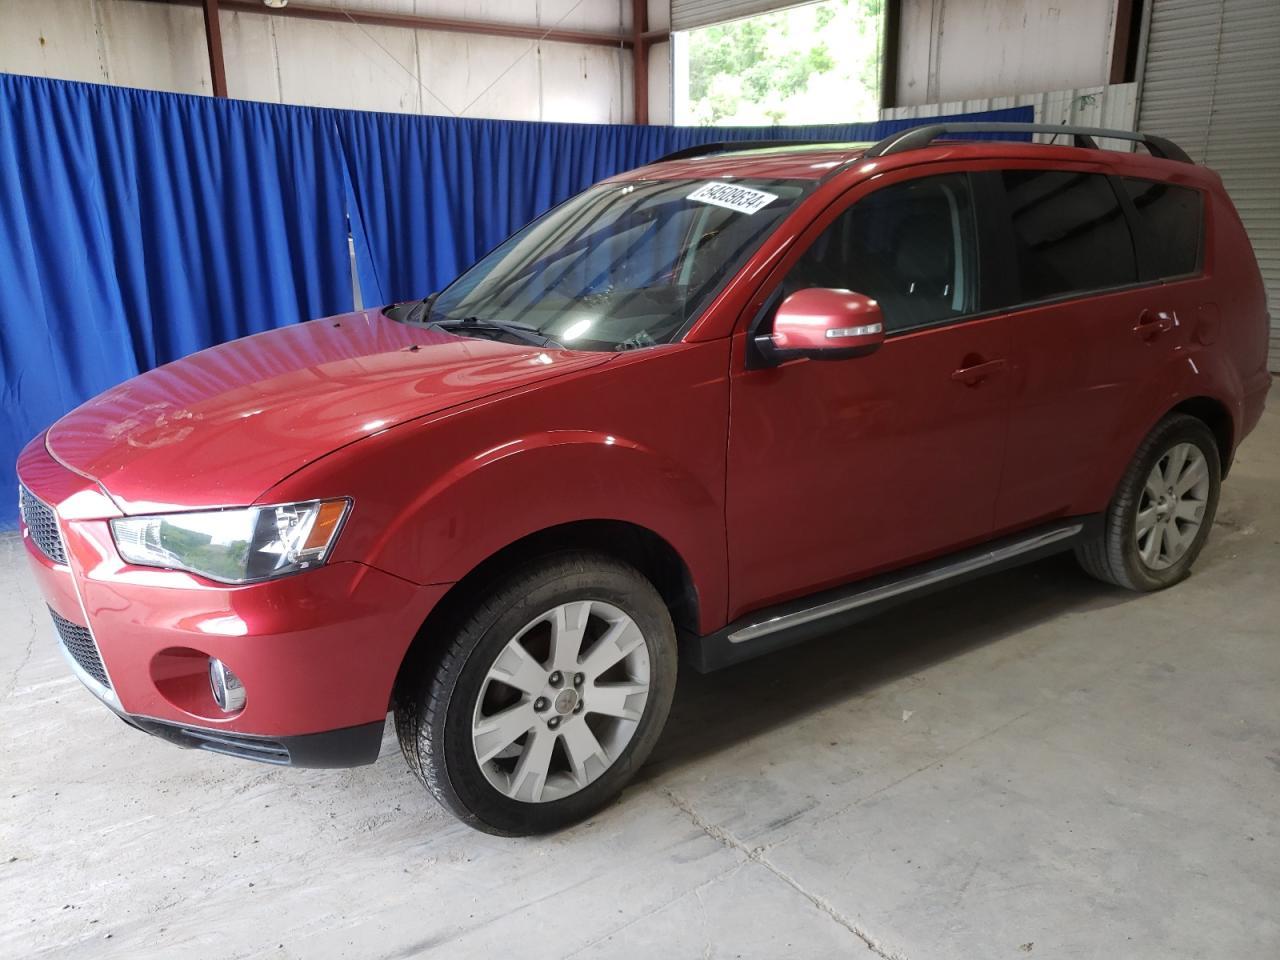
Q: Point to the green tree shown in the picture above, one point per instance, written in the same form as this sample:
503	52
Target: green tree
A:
783	67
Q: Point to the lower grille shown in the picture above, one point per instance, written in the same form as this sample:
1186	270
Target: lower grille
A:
42	524
241	745
235	745
79	643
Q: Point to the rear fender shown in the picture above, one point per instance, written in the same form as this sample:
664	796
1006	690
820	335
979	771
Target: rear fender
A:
1192	372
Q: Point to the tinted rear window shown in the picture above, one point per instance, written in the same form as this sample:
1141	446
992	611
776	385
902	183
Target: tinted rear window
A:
1171	218
1070	233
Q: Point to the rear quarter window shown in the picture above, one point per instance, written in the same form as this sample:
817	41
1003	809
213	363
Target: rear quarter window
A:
1171	220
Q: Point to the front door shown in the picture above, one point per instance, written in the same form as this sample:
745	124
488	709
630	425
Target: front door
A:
839	469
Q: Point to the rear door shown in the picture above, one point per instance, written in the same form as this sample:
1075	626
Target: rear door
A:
837	469
1091	329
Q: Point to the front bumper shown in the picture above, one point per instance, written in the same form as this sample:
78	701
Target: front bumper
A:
318	652
349	747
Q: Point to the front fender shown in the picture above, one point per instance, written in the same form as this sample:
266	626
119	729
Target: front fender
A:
520	487
640	439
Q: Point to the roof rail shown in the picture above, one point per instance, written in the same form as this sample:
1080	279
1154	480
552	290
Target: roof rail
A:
917	137
724	146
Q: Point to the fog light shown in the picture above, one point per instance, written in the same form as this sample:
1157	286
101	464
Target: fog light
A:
228	691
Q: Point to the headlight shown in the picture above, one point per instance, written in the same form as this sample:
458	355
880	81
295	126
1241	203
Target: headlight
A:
234	546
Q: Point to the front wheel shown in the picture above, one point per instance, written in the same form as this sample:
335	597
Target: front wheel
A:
1160	517
547	698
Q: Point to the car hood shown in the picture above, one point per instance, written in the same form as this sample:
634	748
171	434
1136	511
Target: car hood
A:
222	426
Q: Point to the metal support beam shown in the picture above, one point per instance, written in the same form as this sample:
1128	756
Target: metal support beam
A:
890	54
415	22
1124	40
213	37
638	41
641	40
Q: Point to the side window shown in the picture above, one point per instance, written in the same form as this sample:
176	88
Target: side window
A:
1171	220
1070	233
909	246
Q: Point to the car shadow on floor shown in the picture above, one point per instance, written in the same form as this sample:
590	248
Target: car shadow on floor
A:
712	712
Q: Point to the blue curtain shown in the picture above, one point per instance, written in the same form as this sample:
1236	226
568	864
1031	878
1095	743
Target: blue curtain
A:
431	195
137	227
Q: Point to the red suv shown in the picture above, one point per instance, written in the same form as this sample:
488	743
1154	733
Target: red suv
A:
715	405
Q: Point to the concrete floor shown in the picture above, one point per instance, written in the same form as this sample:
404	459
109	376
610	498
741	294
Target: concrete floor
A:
1032	765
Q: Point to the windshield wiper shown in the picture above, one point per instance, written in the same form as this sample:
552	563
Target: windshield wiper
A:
518	331
420	312
411	311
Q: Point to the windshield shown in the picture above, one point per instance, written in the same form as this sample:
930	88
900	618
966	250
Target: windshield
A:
620	266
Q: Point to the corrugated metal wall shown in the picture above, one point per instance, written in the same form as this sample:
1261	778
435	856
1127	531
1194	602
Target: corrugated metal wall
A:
1212	83
161	46
1103	106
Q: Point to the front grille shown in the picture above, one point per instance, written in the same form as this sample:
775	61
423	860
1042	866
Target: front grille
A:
42	524
79	643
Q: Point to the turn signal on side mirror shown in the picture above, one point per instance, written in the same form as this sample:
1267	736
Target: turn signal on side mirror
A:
822	323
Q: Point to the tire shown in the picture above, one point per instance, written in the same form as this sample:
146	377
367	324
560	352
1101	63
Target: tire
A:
458	709
1122	551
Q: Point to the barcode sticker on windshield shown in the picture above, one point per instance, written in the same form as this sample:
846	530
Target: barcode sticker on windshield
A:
734	197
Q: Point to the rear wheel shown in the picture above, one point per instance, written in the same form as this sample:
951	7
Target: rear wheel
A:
548	697
1160	517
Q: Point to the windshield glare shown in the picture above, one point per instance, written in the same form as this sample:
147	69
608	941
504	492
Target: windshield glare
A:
622	265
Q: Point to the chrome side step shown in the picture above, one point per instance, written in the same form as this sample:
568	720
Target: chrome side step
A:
908	584
778	627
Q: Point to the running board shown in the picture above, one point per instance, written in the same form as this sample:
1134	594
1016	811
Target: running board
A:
774	628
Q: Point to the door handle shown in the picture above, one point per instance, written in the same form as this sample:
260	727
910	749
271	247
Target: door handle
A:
974	374
1152	323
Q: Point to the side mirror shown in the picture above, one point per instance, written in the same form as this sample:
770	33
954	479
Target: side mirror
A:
821	323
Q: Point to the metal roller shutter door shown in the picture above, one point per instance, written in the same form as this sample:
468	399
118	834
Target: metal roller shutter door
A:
686	14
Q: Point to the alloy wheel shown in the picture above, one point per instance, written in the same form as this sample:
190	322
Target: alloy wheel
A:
1172	507
561	701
